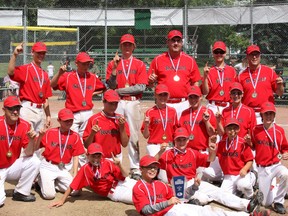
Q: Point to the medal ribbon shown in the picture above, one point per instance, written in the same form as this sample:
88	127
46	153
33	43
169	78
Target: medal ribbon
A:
126	74
270	138
177	66
41	81
62	151
192	121
164	122
83	90
178	151
231	144
221	78
149	195
237	114
10	140
256	81
97	174
112	117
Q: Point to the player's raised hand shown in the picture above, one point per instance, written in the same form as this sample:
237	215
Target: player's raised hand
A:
31	133
146	119
206	115
96	128
115	159
62	69
153	77
279	80
164	146
121	121
206	69
218	114
116	60
212	143
247	138
19	49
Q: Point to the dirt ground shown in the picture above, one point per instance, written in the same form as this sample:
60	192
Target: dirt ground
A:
89	203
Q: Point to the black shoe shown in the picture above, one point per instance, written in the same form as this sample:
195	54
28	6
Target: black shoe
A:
20	197
36	187
279	208
253	203
194	202
1	205
286	196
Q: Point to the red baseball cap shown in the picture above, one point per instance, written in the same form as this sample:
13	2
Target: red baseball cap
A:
161	88
65	114
267	106
147	160
127	38
252	48
94	148
219	45
39	47
236	85
230	121
180	132
111	96
12	101
194	90
174	33
83	57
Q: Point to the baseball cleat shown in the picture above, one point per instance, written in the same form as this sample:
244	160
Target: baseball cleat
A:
254	202
279	208
260	213
21	197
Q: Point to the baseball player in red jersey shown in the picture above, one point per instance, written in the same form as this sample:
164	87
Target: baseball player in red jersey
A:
217	79
16	134
108	128
175	69
79	85
236	158
270	144
259	82
153	197
128	77
104	177
34	86
244	114
160	121
183	161
199	121
60	144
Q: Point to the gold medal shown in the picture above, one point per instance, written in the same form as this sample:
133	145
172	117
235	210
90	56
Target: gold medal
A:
41	94
191	137
176	78
9	154
164	137
84	103
221	93
127	85
279	156
61	165
254	95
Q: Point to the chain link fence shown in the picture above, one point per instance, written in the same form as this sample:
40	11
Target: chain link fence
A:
151	41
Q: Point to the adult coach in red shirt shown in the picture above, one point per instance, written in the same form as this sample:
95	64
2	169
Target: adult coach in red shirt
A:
217	79
128	77
175	69
79	86
259	82
34	86
16	134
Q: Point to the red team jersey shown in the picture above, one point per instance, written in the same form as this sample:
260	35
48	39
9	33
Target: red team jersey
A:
188	72
109	135
69	83
141	195
137	73
245	116
200	141
233	156
156	126
177	164
214	81
50	142
101	181
266	85
20	140
30	83
266	150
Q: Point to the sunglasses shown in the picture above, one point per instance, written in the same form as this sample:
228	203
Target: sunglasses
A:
13	109
219	52
236	93
174	40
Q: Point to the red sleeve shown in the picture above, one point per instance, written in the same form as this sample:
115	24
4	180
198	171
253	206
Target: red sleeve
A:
80	180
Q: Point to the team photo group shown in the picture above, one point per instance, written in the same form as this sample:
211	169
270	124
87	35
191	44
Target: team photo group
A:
210	137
